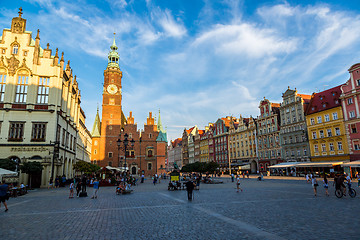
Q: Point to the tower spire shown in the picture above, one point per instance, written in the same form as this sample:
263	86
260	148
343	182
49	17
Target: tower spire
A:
113	56
96	127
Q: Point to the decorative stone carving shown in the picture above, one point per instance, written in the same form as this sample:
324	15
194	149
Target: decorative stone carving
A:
13	64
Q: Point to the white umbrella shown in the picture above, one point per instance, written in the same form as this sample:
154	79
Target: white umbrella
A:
6	172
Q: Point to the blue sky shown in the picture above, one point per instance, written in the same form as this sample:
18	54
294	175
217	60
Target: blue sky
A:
198	60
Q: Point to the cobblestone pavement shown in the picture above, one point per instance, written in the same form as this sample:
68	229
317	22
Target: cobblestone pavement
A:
272	209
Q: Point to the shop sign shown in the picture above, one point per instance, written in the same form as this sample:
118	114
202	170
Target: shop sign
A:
28	149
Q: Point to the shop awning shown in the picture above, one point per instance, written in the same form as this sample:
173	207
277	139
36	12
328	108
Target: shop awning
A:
352	164
284	165
245	167
318	164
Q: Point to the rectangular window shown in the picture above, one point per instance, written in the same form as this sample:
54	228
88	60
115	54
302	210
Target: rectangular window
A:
312	121
67	140
21	89
329	133
314	135
339	146
319	119
2	87
74	146
63	137
323	147
358	82
353	128
321	133
331	146
305	152
335	116
337	131
316	148
38	132
356	146
110	154
43	90
327	117
352	114
16	131
58	132
349	101
71	142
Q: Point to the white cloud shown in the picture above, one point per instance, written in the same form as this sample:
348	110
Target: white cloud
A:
170	26
245	39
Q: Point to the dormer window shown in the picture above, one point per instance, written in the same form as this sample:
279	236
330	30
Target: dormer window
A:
15	49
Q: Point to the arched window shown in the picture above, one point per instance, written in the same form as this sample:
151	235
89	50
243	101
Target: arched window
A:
150	153
149	166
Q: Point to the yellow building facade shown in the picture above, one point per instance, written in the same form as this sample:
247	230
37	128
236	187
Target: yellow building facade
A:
326	128
40	114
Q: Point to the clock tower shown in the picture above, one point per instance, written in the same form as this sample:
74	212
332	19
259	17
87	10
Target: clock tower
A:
111	121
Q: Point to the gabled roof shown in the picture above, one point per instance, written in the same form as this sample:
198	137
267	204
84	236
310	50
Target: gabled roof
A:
176	142
190	130
305	96
324	100
226	121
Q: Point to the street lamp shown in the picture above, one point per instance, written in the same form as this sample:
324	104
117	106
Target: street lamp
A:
126	144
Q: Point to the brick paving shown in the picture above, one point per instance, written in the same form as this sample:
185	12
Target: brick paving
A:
272	209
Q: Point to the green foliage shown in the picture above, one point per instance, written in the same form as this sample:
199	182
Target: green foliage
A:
200	167
85	167
8	164
31	167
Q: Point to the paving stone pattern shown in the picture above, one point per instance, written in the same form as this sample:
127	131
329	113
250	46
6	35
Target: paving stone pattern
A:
272	209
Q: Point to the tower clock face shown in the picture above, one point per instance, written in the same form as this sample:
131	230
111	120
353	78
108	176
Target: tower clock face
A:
112	89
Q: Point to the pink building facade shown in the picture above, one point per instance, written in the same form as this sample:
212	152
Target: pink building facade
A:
350	100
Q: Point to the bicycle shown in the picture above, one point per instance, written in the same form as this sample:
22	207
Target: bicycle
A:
339	193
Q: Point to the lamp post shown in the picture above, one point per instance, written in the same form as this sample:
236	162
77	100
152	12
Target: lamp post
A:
126	144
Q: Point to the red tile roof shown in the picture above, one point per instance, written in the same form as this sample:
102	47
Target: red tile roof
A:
226	121
176	142
189	130
324	100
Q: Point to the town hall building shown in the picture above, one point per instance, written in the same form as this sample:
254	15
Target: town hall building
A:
113	131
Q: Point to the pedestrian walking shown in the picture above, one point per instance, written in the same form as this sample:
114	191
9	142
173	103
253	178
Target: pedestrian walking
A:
314	184
71	195
3	195
190	188
307	178
238	184
154	180
83	183
247	174
326	185
51	182
57	182
78	187
96	188
142	178
232	177
358	178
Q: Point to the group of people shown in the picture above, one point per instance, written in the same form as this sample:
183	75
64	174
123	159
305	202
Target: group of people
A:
339	182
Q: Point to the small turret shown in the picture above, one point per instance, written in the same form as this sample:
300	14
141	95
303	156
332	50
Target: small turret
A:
56	58
62	64
37	48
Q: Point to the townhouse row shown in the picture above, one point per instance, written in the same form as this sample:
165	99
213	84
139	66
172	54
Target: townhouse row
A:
322	127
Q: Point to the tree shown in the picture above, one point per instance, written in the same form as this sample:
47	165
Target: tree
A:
8	164
31	168
85	167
